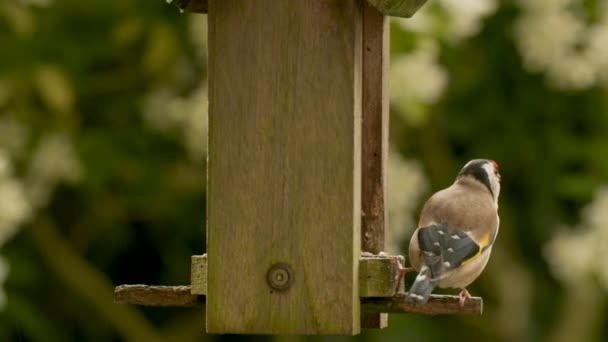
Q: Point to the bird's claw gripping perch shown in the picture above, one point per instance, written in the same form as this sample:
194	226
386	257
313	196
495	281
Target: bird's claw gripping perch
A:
401	272
464	294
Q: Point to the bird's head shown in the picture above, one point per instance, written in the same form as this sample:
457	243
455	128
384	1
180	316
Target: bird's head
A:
484	171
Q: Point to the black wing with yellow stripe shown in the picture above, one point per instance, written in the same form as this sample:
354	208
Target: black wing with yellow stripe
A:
443	250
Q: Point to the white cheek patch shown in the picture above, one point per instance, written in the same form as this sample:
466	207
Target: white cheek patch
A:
494	181
489	168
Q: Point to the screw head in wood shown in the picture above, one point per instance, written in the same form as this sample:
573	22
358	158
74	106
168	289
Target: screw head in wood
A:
280	277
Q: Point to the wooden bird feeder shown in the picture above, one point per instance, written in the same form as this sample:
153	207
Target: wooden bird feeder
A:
298	140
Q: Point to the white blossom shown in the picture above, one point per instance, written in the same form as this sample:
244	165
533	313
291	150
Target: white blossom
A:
544	5
597	49
195	124
453	20
198	33
417	79
553	37
545	37
155	110
53	161
466	16
14	207
169	113
571	72
14	211
578	255
422	22
406	185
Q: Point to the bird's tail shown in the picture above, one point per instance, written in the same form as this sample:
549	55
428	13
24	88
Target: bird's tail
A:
422	287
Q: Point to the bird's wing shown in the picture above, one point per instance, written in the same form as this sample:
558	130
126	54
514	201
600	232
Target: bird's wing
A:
443	250
456	226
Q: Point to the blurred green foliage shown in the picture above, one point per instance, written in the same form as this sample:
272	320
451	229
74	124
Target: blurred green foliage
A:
85	68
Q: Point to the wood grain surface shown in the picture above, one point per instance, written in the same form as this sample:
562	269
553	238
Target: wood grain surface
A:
284	177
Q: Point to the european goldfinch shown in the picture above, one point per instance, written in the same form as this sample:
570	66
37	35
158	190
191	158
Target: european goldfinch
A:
457	227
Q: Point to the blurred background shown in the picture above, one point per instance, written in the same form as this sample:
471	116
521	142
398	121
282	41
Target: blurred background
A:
103	119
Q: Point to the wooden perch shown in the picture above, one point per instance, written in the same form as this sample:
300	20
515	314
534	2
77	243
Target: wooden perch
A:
377	284
180	296
437	305
157	295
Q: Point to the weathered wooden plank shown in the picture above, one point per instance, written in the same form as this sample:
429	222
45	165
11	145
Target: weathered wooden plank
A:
198	274
375	140
437	305
374	130
157	295
284	172
398	8
378	276
180	296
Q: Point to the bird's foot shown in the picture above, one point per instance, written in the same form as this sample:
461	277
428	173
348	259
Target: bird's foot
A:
464	294
401	272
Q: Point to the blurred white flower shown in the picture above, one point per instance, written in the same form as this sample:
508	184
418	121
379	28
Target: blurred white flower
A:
14	207
156	113
544	5
577	255
406	185
596	214
554	38
570	256
597	49
466	16
422	22
53	161
196	125
544	37
14	210
571	72
454	20
198	33
417	79
168	113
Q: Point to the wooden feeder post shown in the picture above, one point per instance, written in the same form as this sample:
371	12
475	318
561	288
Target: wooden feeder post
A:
375	140
298	141
284	171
